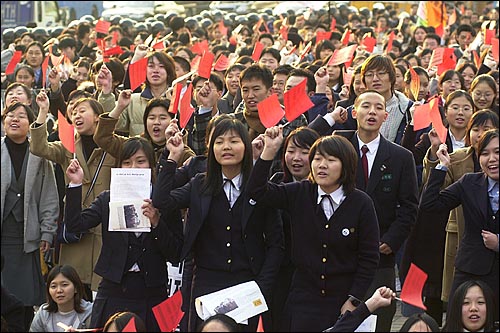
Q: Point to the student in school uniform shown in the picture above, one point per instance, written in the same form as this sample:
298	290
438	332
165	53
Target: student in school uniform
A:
390	180
334	231
232	239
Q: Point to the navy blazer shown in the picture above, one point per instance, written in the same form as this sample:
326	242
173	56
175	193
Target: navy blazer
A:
392	185
470	191
262	227
350	238
162	244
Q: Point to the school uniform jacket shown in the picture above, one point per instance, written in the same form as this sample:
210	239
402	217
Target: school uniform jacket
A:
392	185
162	244
263	231
336	255
471	191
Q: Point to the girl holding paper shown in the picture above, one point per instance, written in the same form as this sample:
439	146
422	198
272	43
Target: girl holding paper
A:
334	230
132	265
232	239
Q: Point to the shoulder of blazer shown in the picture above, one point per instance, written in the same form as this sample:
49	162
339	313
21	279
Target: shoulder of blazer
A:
348	134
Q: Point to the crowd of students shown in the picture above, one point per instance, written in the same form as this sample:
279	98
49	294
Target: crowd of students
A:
322	210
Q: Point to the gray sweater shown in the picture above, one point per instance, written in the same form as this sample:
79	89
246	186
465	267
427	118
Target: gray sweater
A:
44	320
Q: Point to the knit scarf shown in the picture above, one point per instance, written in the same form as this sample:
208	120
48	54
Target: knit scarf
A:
254	123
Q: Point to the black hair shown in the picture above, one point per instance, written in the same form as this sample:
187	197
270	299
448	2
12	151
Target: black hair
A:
480	118
121	319
258	72
229	323
14	106
417	317
185	65
273	52
152	103
311	82
302	137
71	274
133	145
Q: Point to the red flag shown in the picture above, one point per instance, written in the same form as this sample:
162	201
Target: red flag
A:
437	122
477	60
284	32
369	42
205	67
130	327
117	50
45	65
222	63
389	42
494	49
159	46
200	47
66	133
414	84
488	35
168	313
347	76
321	35
346	36
422	116
443	58
257	51
233	40
174	105
137	73
195	63
342	56
411	292
186	109
296	101
333	24
102	26
260	326
270	111
305	50
222	28
114	40
16	57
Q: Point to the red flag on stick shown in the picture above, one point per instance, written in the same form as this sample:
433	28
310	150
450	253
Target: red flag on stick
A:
137	73
346	36
437	122
186	109
102	26
343	56
414	84
321	35
222	63
413	286
296	101
333	24
174	105
200	47
45	66
66	133
16	57
205	67
389	42
270	111
369	42
494	49
257	51
168	313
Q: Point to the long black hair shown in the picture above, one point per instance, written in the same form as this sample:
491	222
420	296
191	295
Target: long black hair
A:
302	137
213	180
71	274
134	144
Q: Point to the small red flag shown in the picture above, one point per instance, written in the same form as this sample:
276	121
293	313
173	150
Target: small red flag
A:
413	286
305	50
494	49
477	60
159	46
102	26
347	76
369	42
421	116
117	50
389	42
333	24
130	327
186	109
168	313
222	63
137	72
346	36
200	47
205	67
66	133
437	122
16	57
260	326
296	101
488	35
342	56
257	51
284	32
174	105
321	35
195	63
270	111
114	40
443	58
414	84
45	66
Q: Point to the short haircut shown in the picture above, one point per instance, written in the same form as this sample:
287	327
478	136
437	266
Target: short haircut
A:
273	52
311	82
377	62
340	147
185	65
166	61
152	103
258	72
14	106
71	274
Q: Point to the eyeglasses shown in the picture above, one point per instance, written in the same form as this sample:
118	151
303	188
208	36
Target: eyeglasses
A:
456	108
478	94
371	75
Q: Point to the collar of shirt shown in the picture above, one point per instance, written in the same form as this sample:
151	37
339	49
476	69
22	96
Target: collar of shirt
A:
236	180
491	185
337	196
455	142
372	145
